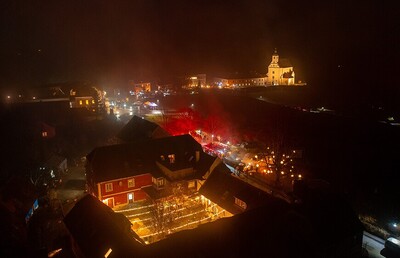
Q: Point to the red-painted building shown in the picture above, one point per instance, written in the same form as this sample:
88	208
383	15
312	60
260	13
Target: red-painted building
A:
123	190
123	173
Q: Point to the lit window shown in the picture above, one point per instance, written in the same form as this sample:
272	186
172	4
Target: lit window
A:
171	158
80	102
131	182
109	187
191	184
87	102
108	253
240	203
44	134
160	182
92	101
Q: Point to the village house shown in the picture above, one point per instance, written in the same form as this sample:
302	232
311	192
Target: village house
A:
121	174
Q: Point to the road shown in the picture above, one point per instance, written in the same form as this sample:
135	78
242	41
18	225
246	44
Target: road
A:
373	244
72	187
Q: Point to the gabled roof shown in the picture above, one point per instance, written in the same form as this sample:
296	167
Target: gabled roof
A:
124	160
221	187
119	161
95	228
288	75
276	229
138	129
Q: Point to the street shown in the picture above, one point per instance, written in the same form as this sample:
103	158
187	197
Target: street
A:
373	245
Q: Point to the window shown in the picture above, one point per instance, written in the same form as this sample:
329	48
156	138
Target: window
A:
191	184
160	182
44	134
80	102
109	187
131	183
240	203
171	158
87	102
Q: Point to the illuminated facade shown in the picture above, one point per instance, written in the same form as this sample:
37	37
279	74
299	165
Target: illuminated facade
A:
85	101
196	81
141	87
234	83
123	190
280	71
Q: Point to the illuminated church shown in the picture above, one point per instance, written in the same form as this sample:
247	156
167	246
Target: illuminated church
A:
280	71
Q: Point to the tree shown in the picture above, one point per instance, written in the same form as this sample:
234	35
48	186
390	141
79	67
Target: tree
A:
165	210
277	154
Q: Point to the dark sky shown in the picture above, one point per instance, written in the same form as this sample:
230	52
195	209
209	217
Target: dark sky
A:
114	41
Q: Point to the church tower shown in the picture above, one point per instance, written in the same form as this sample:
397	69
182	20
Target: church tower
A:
275	59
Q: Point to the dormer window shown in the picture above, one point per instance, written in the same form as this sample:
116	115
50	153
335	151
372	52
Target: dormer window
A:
240	203
160	182
171	158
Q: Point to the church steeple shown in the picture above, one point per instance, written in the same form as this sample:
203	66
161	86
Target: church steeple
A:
275	57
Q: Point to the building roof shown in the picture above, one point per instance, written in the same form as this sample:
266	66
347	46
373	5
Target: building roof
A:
277	229
95	228
119	161
124	160
138	129
287	75
157	194
221	187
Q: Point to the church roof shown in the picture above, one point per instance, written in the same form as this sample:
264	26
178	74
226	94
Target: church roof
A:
288	75
284	62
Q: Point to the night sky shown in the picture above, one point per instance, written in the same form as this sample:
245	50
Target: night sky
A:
111	42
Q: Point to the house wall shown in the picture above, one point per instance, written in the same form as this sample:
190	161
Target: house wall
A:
120	189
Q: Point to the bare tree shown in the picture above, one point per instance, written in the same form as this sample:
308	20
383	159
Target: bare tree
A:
165	210
277	153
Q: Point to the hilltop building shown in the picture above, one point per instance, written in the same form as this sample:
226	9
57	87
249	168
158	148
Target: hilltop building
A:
195	82
280	71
